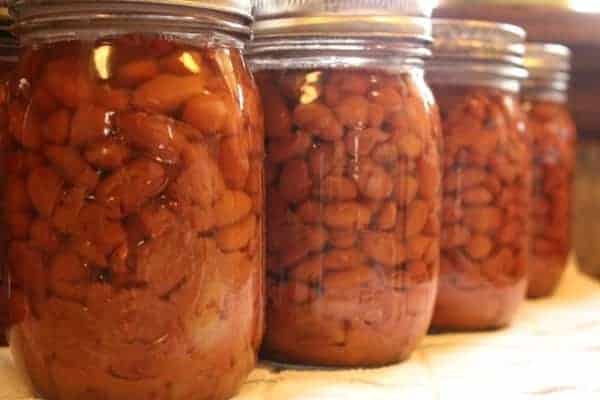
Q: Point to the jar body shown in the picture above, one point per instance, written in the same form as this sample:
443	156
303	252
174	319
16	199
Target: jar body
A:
134	203
6	69
353	194
552	131
487	180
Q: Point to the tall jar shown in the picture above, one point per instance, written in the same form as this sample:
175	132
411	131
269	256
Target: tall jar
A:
353	181
134	200
476	74
8	60
552	131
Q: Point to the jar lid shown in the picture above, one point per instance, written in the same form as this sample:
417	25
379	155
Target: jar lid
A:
478	40
31	8
540	57
287	8
408	19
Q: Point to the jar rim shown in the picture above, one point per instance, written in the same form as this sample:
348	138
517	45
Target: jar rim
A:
543	57
171	16
242	8
266	9
476	40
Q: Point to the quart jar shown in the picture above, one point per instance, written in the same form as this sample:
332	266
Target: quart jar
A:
476	74
134	200
552	131
353	181
8	59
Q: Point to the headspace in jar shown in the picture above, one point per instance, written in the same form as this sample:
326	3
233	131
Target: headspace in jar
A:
475	75
552	131
134	203
8	59
353	178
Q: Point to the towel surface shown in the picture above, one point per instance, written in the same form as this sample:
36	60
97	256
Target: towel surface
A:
551	352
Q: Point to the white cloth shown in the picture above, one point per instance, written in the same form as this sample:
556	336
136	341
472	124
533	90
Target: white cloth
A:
551	352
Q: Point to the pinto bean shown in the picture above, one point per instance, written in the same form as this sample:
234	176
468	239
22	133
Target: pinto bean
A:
343	183
126	190
134	204
486	165
44	187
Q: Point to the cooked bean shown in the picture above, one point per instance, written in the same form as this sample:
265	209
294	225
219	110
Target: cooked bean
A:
353	179
484	210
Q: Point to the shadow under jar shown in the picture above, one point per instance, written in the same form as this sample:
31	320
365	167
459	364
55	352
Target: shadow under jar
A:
8	60
552	131
353	178
134	201
475	75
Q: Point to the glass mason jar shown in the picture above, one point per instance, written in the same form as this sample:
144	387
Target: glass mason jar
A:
134	200
8	60
475	75
353	182
552	131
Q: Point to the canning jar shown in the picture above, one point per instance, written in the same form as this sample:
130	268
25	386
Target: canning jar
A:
134	200
475	73
552	131
353	182
8	59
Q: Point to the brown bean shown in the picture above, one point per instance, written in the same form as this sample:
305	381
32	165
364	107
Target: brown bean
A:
343	239
429	178
416	217
316	238
234	161
44	187
334	188
346	215
237	236
68	275
318	120
349	280
361	142
477	196
43	236
287	148
208	113
200	183
156	221
111	98
278	120
159	136
89	123
72	166
18	224
483	219
295	181
417	246
68	81
373	182
339	259
137	71
353	112
386	219
311	212
56	129
232	208
409	145
16	197
479	247
107	154
384	248
463	179
166	93
455	236
405	189
376	115
385	153
126	190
